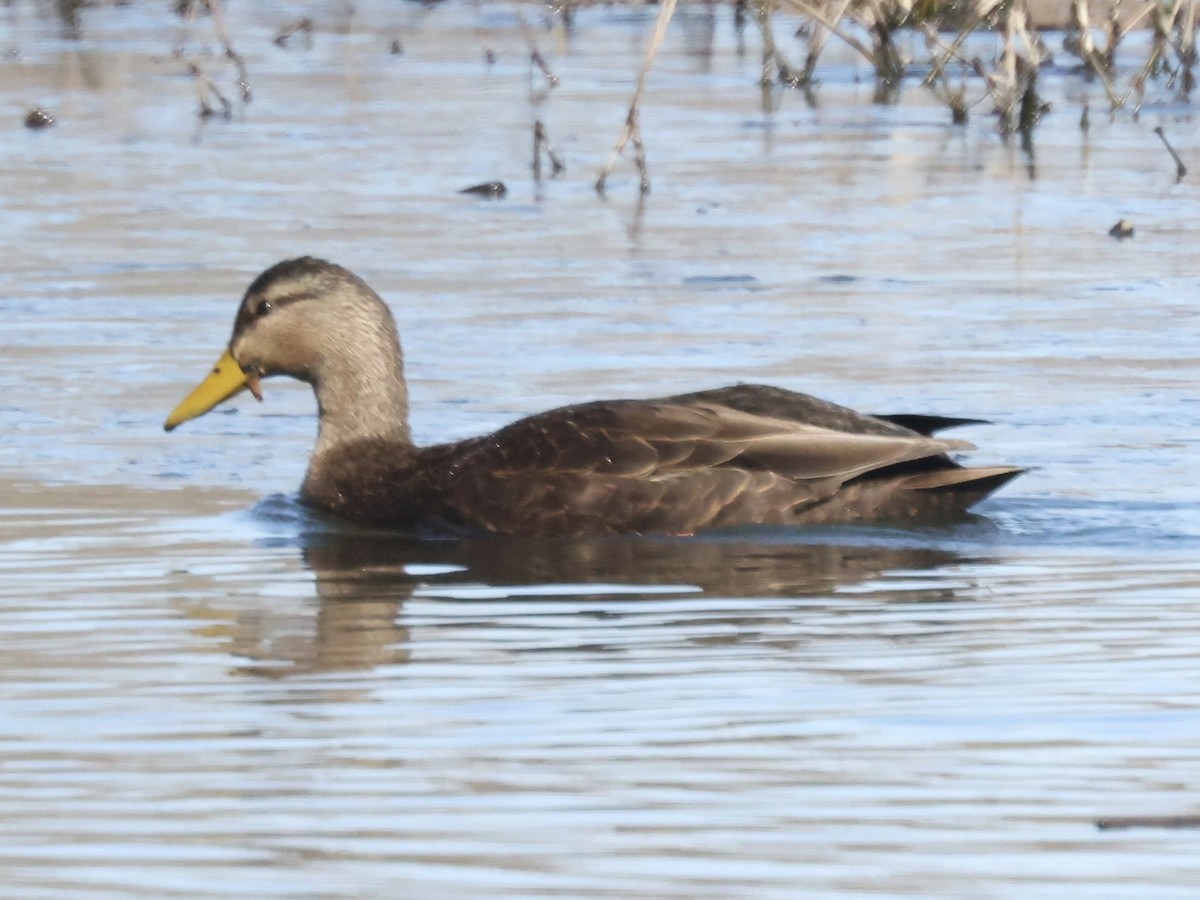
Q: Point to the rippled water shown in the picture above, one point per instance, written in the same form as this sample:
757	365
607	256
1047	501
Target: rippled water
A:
207	691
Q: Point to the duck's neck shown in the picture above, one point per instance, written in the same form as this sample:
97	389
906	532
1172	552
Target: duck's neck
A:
364	402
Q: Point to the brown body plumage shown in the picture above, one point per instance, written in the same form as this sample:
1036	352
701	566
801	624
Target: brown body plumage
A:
739	455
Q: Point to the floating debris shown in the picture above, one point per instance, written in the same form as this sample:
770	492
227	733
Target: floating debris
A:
1122	229
1148	822
719	280
395	47
37	119
302	26
491	190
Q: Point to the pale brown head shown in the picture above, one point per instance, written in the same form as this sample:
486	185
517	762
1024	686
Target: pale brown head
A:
303	315
320	323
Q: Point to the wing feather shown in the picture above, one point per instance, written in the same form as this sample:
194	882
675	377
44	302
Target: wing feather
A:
666	465
633	439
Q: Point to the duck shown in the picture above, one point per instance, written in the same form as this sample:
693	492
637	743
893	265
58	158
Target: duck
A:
741	455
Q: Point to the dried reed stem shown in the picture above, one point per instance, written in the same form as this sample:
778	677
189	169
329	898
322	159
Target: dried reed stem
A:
817	16
542	143
820	35
535	55
218	19
204	87
770	53
1086	50
939	82
631	129
1164	24
952	52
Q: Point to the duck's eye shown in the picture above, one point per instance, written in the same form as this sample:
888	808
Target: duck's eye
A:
264	307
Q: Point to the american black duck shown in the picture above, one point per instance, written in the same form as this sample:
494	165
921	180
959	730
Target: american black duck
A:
737	455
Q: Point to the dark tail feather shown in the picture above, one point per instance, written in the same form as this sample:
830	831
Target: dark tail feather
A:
962	488
929	425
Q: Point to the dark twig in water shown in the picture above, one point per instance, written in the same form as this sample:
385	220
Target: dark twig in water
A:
1032	107
632	129
1180	168
302	26
218	19
774	68
542	143
567	10
938	80
819	17
639	160
938	69
1079	42
538	60
629	131
205	86
770	53
535	55
1165	20
739	14
1117	822
1013	86
816	43
882	23
1186	48
187	11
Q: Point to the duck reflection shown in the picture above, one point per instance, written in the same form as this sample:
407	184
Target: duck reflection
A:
355	627
363	580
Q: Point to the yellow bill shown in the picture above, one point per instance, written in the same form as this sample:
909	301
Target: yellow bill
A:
225	380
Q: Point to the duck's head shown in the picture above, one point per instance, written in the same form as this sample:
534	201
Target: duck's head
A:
306	318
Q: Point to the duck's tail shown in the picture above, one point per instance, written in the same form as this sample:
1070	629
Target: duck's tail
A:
960	488
929	425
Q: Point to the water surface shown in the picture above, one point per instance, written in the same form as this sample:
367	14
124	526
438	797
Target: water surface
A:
208	691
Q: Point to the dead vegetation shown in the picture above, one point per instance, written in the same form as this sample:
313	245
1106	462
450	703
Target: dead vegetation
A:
975	56
207	89
975	51
1015	51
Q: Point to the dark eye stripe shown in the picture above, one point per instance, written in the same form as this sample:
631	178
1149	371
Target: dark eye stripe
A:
265	305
